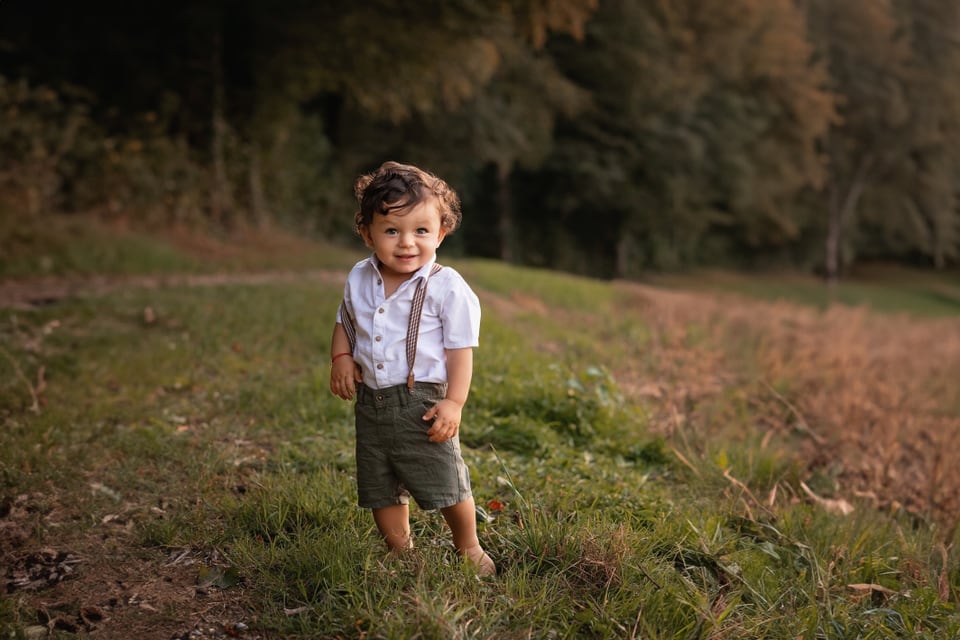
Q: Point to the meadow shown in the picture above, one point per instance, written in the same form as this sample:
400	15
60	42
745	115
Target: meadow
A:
651	461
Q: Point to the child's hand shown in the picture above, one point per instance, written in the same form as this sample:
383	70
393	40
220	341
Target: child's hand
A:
446	420
345	375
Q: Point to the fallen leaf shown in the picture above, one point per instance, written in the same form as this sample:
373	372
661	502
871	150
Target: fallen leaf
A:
495	505
105	490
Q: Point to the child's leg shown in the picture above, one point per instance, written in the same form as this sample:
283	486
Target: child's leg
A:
462	520
394	525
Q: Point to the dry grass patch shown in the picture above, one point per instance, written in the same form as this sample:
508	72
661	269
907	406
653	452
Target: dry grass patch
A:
875	395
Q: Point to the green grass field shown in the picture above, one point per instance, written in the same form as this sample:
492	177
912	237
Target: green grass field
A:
197	421
887	289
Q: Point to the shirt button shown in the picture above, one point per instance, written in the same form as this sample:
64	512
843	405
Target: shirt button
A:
380	310
378	338
379	281
380	366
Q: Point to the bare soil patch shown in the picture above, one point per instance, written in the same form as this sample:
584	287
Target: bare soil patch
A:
99	583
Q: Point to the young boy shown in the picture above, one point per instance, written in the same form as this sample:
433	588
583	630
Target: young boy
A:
403	346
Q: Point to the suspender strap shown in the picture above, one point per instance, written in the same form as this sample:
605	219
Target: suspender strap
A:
348	327
413	326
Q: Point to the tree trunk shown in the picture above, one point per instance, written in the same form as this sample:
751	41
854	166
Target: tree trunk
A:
628	260
938	252
840	211
219	194
258	205
834	233
505	212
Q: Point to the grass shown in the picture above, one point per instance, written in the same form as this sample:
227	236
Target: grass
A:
887	289
78	246
639	481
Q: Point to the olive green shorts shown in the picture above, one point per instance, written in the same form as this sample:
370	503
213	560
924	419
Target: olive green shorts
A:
395	458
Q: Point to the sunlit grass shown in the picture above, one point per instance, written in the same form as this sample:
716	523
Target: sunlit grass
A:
549	288
890	290
80	245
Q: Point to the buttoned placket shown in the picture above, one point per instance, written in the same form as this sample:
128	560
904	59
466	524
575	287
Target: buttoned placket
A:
379	329
379	346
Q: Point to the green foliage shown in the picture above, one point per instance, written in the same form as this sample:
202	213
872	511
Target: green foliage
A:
709	139
625	136
927	222
303	188
146	175
45	137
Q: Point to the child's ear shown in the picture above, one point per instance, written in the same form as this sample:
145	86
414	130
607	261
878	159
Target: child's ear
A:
365	234
441	236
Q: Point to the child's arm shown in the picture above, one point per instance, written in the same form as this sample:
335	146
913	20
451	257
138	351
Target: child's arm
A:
344	372
449	410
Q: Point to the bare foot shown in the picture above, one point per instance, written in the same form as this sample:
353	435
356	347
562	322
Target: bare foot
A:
480	560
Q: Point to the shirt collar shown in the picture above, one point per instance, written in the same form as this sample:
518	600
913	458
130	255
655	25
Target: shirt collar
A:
422	272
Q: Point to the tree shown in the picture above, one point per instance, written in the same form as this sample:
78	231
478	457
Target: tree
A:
867	59
704	122
509	124
929	219
250	74
381	74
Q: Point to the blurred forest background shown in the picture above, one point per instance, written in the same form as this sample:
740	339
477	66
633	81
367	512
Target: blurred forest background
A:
605	137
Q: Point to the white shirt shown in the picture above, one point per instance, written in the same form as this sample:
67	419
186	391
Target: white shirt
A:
450	320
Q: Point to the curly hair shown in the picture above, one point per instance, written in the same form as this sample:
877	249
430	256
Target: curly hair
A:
394	187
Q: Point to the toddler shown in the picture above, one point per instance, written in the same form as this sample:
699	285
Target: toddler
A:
403	347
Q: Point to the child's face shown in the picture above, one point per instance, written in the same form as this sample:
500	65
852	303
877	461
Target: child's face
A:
406	240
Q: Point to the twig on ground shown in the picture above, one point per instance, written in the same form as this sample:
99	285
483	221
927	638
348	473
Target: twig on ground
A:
684	460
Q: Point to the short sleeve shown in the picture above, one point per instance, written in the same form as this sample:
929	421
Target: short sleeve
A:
460	315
